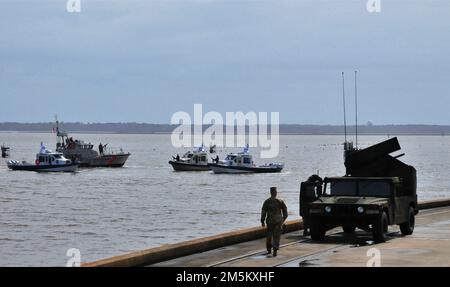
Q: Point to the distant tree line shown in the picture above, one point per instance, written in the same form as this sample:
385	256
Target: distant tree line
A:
144	128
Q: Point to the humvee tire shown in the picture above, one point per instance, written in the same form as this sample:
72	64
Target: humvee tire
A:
317	230
380	228
407	228
349	228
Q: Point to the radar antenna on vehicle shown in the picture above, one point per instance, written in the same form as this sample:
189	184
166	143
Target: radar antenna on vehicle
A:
356	111
343	102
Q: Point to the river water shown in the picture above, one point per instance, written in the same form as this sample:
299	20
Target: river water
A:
105	212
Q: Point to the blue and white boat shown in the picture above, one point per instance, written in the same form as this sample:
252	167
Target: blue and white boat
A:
196	160
243	163
46	161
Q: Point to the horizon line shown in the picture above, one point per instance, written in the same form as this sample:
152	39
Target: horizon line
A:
286	124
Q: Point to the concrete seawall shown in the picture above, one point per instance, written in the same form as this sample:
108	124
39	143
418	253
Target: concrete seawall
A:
172	251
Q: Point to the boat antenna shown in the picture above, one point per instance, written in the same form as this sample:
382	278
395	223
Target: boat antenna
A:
343	101
57	124
356	110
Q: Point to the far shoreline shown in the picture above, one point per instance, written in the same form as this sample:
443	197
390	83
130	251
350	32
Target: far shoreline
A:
282	129
281	134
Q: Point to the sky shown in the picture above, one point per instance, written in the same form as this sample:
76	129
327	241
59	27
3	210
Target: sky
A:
142	61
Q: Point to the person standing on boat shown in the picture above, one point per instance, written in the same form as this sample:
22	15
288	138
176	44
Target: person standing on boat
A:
42	150
273	213
101	148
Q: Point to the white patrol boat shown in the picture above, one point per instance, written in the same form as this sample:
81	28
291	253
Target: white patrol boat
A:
46	161
243	163
196	160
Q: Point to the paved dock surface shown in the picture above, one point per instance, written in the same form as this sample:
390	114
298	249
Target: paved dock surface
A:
428	246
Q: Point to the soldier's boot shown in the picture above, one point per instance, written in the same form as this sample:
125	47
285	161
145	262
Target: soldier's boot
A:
305	232
269	245
275	252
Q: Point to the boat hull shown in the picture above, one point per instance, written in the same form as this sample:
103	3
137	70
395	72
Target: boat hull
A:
180	166
44	168
218	168
116	160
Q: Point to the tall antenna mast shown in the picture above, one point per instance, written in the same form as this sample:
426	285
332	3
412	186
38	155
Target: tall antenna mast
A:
345	114
356	111
57	123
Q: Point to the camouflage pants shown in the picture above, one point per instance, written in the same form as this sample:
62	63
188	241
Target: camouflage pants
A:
273	236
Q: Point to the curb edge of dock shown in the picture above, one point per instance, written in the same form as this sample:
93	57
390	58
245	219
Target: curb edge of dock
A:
176	250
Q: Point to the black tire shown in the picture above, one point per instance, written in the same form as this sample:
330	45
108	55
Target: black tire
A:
349	229
407	228
317	230
380	228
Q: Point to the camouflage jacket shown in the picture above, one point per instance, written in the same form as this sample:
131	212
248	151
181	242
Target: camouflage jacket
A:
274	211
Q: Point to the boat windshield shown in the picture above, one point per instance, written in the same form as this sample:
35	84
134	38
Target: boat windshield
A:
188	155
359	188
230	157
57	156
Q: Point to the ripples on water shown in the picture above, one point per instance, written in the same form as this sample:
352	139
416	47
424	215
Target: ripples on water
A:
105	212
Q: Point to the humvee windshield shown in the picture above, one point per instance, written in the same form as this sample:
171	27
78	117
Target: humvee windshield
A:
359	188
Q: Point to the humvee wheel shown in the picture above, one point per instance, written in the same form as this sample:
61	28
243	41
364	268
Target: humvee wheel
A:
348	228
407	228
317	230
380	228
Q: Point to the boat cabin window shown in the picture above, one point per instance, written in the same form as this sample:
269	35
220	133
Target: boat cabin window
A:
203	158
247	160
43	159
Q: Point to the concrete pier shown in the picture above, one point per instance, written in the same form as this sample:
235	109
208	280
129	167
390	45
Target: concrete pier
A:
428	246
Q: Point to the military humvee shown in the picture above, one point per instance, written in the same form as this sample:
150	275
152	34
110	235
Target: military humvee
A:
378	190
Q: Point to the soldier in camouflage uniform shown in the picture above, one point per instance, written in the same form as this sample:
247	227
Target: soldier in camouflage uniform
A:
273	213
310	191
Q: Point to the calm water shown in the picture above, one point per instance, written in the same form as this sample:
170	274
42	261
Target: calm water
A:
105	212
